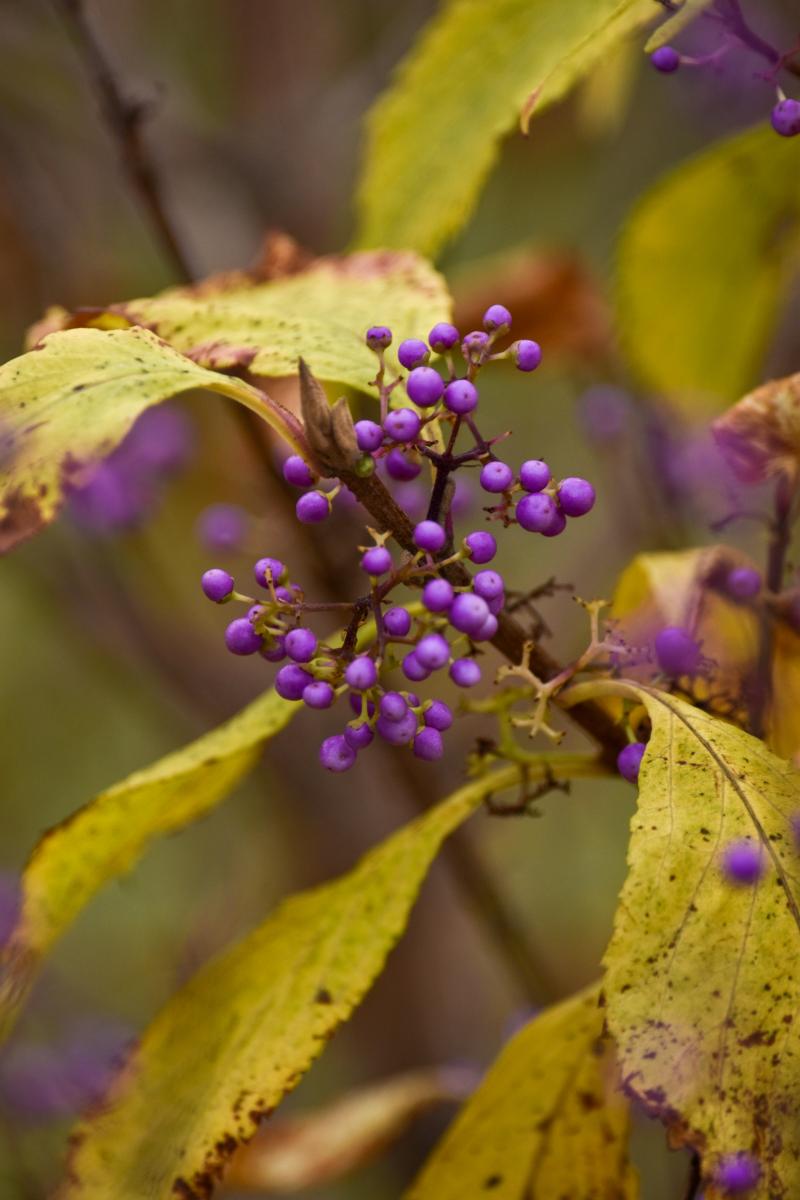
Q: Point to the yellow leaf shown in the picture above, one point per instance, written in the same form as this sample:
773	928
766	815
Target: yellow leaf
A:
702	982
674	23
225	1050
434	135
548	1121
106	837
703	266
69	403
320	313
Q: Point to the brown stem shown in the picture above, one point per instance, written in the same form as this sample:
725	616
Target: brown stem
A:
780	539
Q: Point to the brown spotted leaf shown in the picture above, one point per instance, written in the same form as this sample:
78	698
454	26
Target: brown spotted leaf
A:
760	436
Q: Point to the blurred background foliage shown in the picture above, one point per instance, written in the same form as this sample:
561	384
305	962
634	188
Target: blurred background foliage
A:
110	657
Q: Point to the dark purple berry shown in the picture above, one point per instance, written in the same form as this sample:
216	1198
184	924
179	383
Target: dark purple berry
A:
361	673
369	436
526	355
438	715
432	651
665	59
743	582
291	681
496	477
437	595
428	745
496	317
217	584
785	118
556	526
392	706
312	508
402	424
677	651
576	496
488	584
424	386
297	472
274	651
401	468
269	569
443	337
629	760
335	754
468	613
430	536
241	638
534	475
742	862
397	622
482	546
461	397
737	1173
397	733
412	353
465	672
301	645
413	668
376	561
378	337
318	694
535	512
358	736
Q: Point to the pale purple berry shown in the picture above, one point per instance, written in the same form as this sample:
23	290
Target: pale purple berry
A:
222	526
488	584
312	508
496	476
335	754
401	468
468	613
369	436
465	672
241	638
438	715
424	386
629	760
677	651
318	694
217	584
443	337
413	353
475	345
575	496
402	424
358	736
487	630
481	545
535	512
526	354
430	536
461	397
437	595
496	317
301	645
291	681
743	862
397	622
534	475
743	582
397	733
376	561
361	673
432	651
268	569
378	337
428	745
297	472
413	668
785	118
665	59
392	706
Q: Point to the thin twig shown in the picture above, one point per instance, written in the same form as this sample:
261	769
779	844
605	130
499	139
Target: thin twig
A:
780	539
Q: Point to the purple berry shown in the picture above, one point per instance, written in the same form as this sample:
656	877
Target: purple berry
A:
474	345
437	595
742	862
376	561
217	584
526	355
487	630
575	496
556	526
357	704
496	604
286	595
737	1173
461	397
397	622
291	681
535	512
392	706
297	472
397	733
433	651
424	386
496	477
443	337
358	737
428	745
312	508
488	584
273	566
301	645
241	638
318	694
412	353
482	546
361	673
438	715
413	668
785	118
665	59
335	754
743	583
465	672
402	424
378	337
274	651
468	613
369	436
222	526
430	536
534	475
677	651
401	468
496	317
629	760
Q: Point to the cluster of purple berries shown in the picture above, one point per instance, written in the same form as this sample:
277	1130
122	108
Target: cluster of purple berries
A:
734	30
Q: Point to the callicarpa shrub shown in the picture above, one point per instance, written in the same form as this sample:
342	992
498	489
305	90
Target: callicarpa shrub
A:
387	531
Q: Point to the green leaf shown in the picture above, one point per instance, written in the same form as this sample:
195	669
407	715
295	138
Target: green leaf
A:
548	1120
674	23
70	402
703	267
320	314
434	135
105	838
702	982
225	1050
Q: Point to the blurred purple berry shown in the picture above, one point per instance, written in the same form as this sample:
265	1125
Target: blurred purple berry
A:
10	904
534	475
378	337
737	1173
785	118
576	496
496	317
424	386
402	424
412	353
437	595
535	512
376	561
665	59
301	645
438	715
369	435
160	441
397	622
742	862
677	651
335	754
361	673
241	638
487	630
433	651
743	583
605	411
222	526
481	545
443	337
465	672
291	681
312	508
461	397
297	472
428	745
401	468
629	760
526	355
318	694
217	584
468	613
496	477
430	536
413	668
